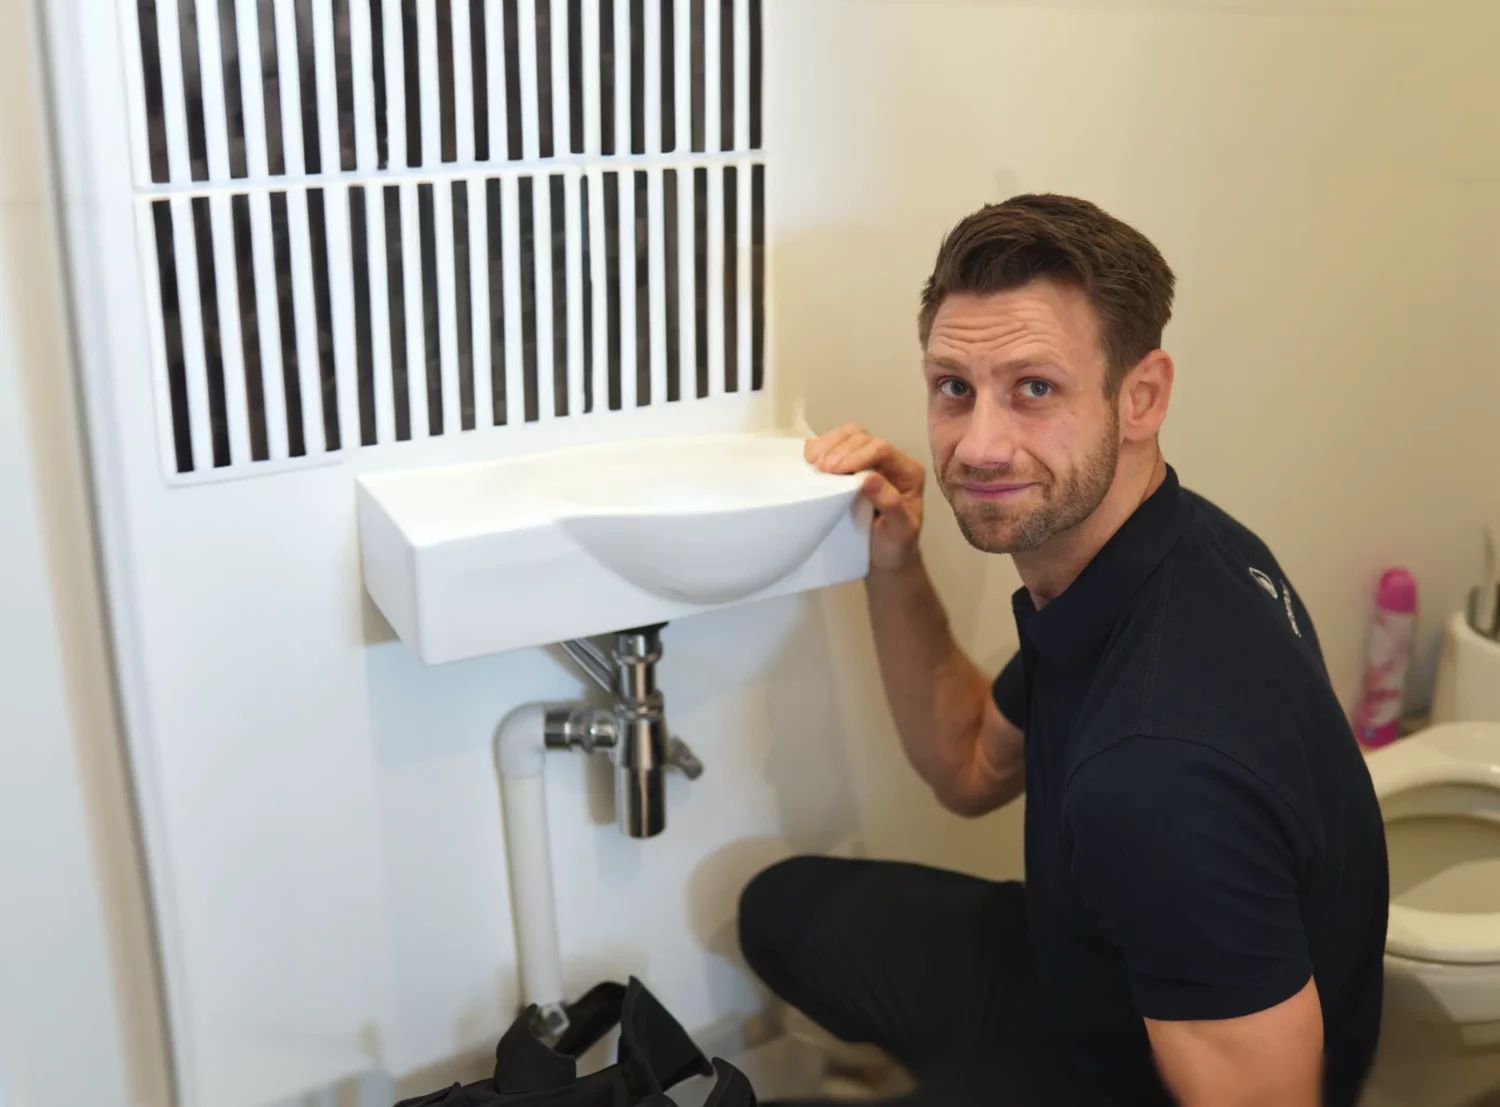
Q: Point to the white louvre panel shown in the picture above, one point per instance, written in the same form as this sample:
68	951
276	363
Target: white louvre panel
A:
365	222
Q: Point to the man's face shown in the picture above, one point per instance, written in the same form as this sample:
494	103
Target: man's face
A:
1024	439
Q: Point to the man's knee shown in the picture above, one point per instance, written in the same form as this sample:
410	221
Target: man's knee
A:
774	909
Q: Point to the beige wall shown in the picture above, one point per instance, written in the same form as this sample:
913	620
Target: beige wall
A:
1325	180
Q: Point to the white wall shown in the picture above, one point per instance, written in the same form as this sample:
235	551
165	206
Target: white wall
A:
76	968
54	974
1323	177
320	813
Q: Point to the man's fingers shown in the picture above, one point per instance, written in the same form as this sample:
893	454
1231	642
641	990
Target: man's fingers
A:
858	451
886	497
815	449
850	449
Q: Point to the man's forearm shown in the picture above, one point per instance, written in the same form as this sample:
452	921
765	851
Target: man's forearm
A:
936	694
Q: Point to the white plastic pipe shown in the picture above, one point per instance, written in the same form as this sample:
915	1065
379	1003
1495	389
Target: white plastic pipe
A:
520	756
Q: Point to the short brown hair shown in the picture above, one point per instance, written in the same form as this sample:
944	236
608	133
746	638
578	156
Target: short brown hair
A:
1061	238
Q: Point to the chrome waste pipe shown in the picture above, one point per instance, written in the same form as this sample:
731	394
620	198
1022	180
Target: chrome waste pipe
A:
632	732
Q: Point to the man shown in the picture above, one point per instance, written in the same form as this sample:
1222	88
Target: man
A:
1204	910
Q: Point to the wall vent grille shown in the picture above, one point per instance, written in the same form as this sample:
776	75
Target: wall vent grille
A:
371	221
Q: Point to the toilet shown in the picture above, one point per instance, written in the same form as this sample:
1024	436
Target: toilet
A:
1439	792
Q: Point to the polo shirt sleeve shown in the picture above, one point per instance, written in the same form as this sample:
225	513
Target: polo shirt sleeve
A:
1009	691
1189	865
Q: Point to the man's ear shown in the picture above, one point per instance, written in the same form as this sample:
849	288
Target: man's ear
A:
1144	395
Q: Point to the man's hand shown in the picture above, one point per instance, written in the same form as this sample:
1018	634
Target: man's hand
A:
894	486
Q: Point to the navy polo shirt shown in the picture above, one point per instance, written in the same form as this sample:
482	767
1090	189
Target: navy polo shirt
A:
1201	832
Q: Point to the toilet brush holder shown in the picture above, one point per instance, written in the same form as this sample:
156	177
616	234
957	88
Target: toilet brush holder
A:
1468	675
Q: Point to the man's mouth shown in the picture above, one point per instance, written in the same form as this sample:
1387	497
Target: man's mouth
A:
995	491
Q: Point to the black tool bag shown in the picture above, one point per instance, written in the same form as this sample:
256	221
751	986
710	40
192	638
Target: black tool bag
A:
655	1054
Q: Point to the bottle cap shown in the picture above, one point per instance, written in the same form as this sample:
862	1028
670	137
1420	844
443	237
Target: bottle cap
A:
1397	591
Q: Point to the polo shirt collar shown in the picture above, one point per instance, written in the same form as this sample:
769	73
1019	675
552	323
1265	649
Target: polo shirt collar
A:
1070	629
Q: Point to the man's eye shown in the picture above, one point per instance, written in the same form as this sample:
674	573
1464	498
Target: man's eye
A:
953	387
1035	389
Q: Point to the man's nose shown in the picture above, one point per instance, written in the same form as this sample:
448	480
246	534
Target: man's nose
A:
989	440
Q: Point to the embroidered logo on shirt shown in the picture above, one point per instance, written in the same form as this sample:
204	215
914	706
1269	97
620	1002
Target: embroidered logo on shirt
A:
1284	594
1265	582
1286	598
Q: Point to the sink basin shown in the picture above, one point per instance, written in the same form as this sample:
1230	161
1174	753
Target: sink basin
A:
705	522
472	559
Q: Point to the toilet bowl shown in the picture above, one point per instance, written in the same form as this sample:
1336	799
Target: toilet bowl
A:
1439	792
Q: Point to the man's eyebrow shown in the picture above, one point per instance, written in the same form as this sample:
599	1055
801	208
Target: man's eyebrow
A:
951	365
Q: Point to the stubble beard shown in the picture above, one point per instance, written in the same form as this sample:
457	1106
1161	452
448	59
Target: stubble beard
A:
1003	529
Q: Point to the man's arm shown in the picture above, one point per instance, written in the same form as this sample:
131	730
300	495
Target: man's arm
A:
1273	1058
952	732
1190	864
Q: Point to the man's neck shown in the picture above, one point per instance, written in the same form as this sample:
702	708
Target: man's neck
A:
1047	570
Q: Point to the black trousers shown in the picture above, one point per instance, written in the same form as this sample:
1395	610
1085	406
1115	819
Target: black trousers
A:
934	967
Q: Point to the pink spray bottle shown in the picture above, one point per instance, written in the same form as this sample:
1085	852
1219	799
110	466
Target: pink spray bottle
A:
1378	715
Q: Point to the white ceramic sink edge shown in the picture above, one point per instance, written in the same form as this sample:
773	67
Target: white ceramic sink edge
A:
476	558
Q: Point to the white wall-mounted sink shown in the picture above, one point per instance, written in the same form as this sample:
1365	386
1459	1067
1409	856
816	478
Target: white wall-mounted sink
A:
473	559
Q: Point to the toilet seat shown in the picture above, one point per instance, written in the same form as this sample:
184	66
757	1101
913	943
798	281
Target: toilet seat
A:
1460	756
1443	938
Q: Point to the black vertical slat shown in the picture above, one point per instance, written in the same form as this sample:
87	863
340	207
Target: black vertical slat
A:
343	79
463	304
699	95
244	275
270	86
192	89
480	64
427	223
612	286
395	275
726	74
668	76
700	274
670	284
291	379
544	77
317	233
513	129
171	319
607	76
364	345
156	123
377	70
575	75
731	280
585	231
755	76
308	83
559	245
412	67
213	350
642	293
528	300
497	301
757	276
637	77
447	98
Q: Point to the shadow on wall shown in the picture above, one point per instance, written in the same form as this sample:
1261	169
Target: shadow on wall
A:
805	767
